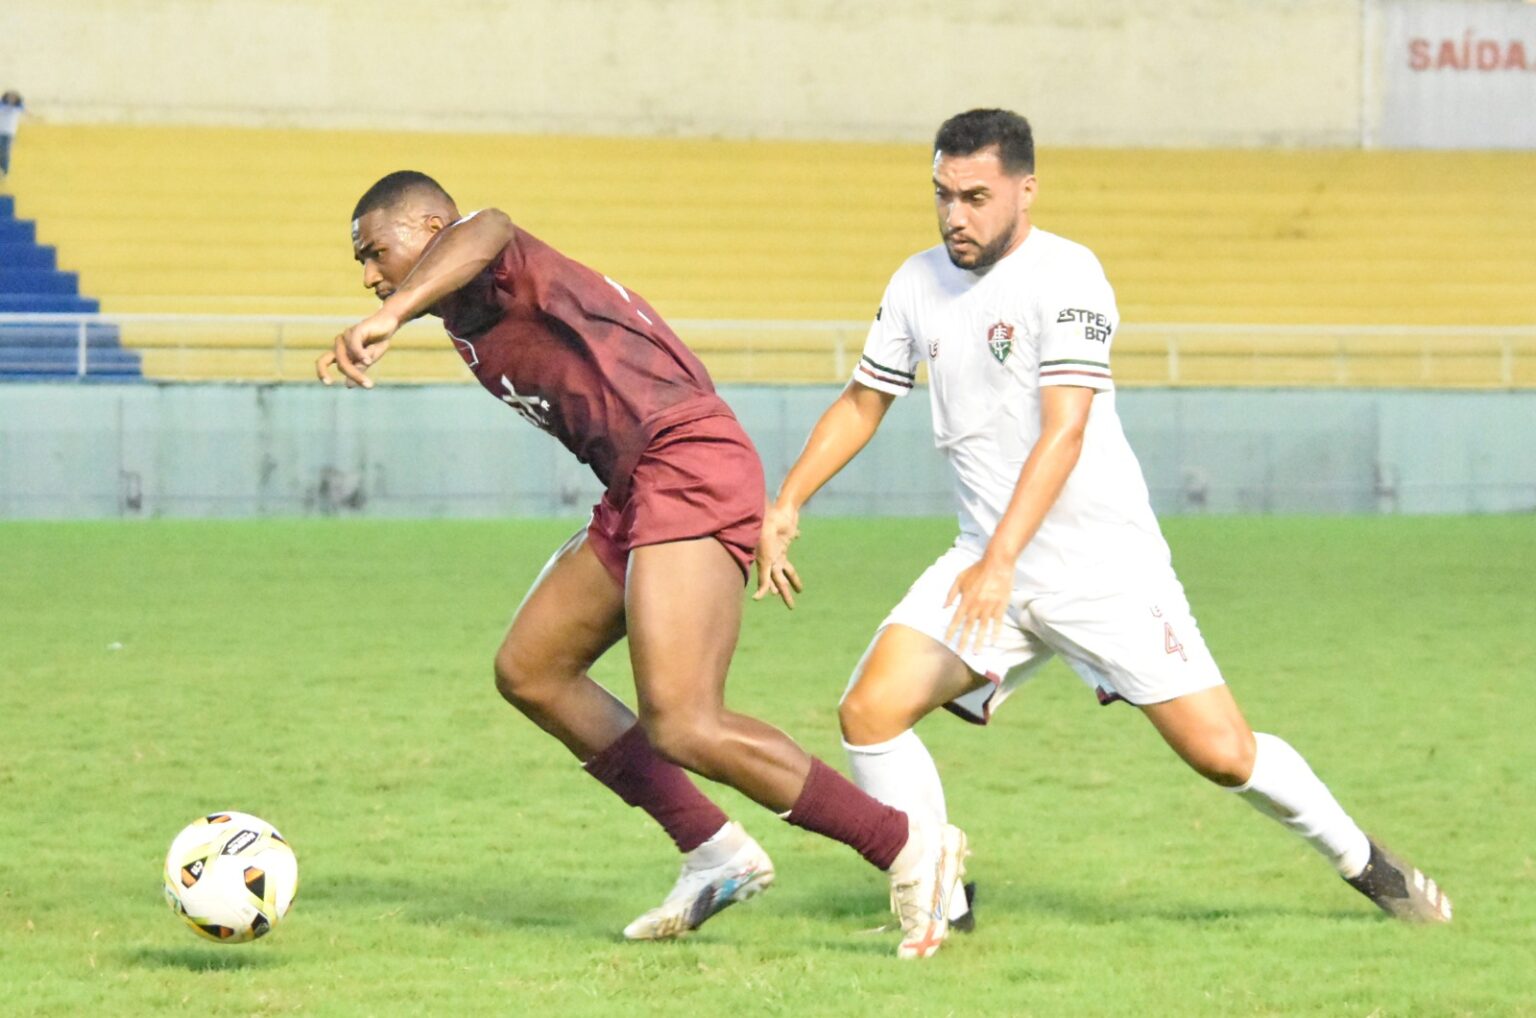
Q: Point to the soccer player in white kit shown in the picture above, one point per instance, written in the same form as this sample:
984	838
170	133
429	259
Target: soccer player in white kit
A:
1058	551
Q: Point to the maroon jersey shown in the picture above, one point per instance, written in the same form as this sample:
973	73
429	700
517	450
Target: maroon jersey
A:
578	355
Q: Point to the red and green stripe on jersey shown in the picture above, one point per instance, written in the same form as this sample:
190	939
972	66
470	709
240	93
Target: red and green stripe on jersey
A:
890	376
1075	371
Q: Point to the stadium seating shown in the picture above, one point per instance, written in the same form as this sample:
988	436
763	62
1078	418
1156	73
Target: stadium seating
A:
32	284
215	220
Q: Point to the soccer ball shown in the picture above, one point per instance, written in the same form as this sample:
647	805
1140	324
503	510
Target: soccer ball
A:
230	877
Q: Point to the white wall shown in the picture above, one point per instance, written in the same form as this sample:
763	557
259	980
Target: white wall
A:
213	450
1111	72
1458	74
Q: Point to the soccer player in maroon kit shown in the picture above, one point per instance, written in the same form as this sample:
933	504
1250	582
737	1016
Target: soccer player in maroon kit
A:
664	559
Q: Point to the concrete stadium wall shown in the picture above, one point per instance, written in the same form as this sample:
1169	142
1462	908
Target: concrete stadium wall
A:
105	451
1116	72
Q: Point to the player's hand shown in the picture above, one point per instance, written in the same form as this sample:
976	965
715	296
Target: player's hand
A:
358	349
983	591
775	573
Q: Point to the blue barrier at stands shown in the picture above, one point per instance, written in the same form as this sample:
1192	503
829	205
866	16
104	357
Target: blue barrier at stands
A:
51	351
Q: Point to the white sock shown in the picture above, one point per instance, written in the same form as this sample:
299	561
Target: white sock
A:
900	773
721	845
911	854
1283	787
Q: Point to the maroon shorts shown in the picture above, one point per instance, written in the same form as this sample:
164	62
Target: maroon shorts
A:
696	479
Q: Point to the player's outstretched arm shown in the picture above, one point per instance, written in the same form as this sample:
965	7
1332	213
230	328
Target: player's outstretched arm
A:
985	588
845	428
458	254
371	335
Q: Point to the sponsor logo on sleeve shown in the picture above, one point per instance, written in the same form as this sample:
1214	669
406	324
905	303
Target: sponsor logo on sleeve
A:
1096	326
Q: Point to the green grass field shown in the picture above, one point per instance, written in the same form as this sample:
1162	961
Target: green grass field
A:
334	677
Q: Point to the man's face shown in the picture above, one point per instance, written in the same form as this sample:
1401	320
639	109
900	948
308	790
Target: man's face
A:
983	211
389	242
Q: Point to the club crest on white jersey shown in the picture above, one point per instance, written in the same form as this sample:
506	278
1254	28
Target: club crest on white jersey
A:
1000	340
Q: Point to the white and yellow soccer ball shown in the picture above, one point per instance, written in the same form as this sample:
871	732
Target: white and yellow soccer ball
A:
230	877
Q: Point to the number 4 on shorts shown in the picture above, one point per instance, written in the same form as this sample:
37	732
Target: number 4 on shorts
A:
1171	642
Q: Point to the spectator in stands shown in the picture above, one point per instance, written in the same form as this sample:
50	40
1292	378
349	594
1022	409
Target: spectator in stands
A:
11	108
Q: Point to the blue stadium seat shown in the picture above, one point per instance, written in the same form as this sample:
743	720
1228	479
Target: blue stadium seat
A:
29	280
48	303
31	283
27	256
17	231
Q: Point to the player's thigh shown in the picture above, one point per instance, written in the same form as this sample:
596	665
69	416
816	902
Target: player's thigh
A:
572	614
910	669
682	601
904	675
1133	638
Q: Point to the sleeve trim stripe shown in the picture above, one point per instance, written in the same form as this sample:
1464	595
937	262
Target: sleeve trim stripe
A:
904	383
1075	371
1092	364
910	376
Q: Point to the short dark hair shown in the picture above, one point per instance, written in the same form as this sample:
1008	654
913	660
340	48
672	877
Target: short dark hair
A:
968	133
392	189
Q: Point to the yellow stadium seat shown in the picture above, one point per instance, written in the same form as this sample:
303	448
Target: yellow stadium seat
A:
254	222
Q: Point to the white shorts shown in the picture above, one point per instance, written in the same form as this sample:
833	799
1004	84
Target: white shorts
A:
1133	640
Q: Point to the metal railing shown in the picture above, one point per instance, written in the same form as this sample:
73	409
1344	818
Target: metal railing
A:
272	348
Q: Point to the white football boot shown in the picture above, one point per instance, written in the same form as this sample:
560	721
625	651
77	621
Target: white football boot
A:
922	894
728	868
962	914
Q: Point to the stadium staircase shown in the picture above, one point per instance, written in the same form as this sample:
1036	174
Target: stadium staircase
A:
31	283
254	221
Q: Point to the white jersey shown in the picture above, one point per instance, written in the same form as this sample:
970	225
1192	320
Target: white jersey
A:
1043	315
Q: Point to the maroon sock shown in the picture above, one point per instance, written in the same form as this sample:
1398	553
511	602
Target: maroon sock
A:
833	806
633	771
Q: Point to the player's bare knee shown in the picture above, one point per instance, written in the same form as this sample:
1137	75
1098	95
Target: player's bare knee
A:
850	717
519	681
865	720
507	681
1225	758
686	738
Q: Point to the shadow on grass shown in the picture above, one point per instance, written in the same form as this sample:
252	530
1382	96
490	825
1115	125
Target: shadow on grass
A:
538	904
1019	903
1107	909
591	913
203	959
